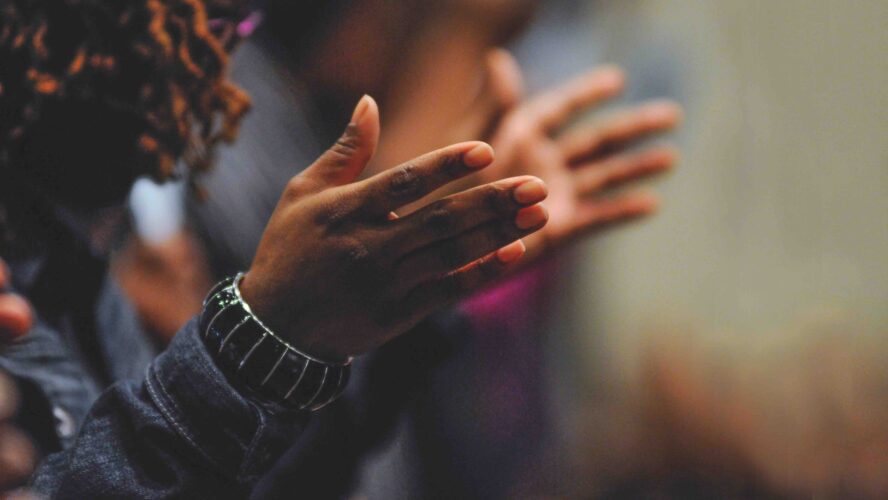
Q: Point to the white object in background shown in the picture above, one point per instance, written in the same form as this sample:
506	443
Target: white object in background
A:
158	209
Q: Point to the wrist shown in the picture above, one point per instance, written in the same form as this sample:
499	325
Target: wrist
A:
261	303
258	361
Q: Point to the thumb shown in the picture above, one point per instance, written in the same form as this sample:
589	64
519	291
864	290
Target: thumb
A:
502	90
504	79
347	157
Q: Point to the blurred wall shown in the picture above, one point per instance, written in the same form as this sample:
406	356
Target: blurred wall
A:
746	327
779	211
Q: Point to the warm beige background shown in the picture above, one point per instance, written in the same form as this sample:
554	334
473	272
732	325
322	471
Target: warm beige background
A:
779	213
763	284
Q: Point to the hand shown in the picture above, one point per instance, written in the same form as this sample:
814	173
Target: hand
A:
15	313
17	456
16	452
337	273
582	165
165	281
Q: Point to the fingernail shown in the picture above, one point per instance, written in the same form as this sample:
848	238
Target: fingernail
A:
530	192
662	111
511	252
360	109
480	156
531	217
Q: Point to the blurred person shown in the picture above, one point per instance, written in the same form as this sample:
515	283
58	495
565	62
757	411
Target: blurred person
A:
434	87
337	273
440	78
16	451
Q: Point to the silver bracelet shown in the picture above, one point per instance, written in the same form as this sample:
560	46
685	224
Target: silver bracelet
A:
270	370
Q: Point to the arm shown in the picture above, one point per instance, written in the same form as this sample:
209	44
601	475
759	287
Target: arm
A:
183	432
336	275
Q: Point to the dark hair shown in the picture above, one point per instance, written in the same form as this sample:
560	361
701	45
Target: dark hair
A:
154	61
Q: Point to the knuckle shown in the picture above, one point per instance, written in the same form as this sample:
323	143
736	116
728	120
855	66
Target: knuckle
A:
453	166
354	250
496	198
361	260
406	181
332	214
295	187
440	219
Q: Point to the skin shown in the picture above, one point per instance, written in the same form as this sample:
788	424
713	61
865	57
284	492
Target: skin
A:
584	165
338	273
15	313
16	453
167	280
336	260
17	456
441	89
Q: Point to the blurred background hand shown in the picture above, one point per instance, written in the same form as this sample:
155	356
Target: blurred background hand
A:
15	313
16	452
17	455
583	165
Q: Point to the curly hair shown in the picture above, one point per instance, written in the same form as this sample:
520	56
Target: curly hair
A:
153	60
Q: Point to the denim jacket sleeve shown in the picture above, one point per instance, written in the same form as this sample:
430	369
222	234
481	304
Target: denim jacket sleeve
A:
182	432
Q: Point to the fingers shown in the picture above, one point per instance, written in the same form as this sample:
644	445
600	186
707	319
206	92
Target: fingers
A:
618	170
554	108
433	295
457	213
347	158
601	214
446	256
394	188
17	457
621	131
15	317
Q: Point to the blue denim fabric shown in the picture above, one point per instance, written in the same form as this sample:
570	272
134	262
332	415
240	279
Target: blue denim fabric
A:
134	426
182	432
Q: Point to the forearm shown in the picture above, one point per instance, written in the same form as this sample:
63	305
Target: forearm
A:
182	432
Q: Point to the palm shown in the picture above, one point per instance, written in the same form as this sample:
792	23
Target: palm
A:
580	165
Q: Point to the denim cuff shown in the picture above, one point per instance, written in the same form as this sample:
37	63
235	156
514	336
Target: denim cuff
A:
237	436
